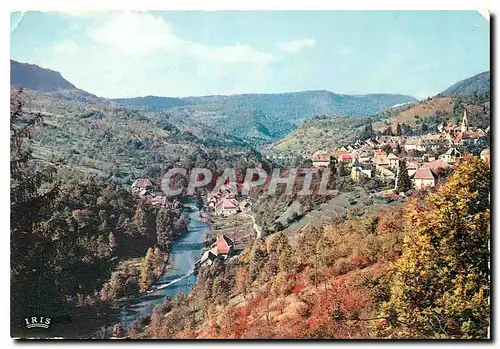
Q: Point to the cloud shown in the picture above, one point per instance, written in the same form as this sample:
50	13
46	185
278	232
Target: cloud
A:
297	45
66	47
135	33
128	54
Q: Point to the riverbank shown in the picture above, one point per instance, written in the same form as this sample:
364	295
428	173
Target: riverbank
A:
177	276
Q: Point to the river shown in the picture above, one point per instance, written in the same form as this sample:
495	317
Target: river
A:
178	277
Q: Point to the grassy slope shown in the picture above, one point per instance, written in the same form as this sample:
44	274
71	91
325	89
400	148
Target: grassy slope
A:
435	109
325	133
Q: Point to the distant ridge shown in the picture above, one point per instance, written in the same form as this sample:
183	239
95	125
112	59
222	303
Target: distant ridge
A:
255	118
479	83
151	101
33	77
304	103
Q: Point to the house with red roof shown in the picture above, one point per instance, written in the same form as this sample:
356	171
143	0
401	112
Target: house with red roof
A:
321	159
435	165
222	246
346	157
141	185
463	139
227	206
424	178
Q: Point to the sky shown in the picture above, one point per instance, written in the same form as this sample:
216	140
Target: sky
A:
176	53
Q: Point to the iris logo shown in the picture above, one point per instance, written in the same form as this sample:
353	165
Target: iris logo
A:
37	322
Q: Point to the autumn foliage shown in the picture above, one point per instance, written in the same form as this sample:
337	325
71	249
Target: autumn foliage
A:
441	288
413	271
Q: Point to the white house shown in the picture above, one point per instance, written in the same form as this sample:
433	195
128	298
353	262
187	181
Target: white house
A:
393	160
451	155
424	177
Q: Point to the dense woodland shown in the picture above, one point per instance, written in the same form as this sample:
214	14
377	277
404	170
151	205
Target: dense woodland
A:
69	230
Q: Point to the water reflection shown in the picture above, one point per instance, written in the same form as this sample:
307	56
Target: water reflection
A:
179	278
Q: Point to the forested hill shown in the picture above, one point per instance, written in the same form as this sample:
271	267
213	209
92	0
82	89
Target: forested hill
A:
477	84
264	118
319	133
294	105
256	119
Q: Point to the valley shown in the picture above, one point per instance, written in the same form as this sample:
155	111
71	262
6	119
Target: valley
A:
87	193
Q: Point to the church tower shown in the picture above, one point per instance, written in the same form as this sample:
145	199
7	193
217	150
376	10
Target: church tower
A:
465	123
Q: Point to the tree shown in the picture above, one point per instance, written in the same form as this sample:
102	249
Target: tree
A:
199	201
147	270
424	127
164	227
398	149
242	281
29	204
145	221
441	285
258	257
406	130
387	131
387	149
398	130
220	290
367	132
403	182
286	263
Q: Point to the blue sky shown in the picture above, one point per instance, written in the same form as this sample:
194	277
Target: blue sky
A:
126	54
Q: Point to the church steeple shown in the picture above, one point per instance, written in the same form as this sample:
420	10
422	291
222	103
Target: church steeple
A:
465	122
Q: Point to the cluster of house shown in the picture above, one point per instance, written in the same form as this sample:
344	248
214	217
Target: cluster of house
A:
223	247
144	187
368	158
224	203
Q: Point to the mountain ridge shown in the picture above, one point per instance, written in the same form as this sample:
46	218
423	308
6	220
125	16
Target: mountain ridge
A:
479	83
32	76
255	118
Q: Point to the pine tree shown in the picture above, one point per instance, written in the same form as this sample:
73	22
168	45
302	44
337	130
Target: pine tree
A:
424	128
164	228
398	130
441	287
403	181
145	221
286	263
258	258
367	132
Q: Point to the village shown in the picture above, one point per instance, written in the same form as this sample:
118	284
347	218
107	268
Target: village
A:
426	157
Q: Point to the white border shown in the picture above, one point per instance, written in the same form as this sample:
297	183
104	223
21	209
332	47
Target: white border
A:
185	5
